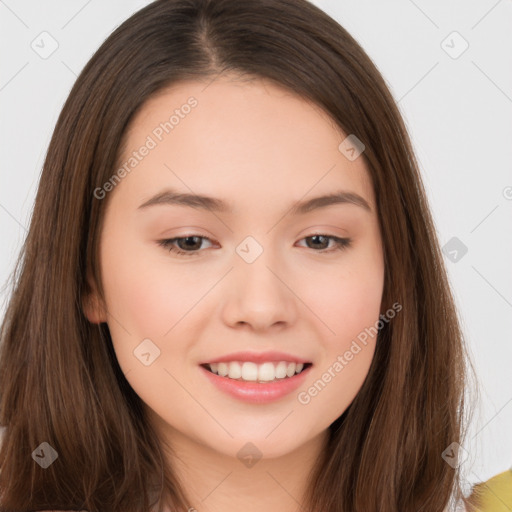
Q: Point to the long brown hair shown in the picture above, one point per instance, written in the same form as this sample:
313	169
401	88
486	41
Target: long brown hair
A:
60	382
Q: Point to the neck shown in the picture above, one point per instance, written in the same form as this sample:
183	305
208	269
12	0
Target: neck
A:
215	481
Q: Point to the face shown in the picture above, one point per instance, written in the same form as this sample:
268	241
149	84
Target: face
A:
249	277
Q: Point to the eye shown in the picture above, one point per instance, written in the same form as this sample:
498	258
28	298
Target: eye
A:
339	243
192	244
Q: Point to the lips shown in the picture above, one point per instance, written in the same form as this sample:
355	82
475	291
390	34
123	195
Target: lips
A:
257	392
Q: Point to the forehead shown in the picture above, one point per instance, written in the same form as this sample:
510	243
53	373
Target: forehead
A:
231	137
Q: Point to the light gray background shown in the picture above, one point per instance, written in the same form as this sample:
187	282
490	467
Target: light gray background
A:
458	109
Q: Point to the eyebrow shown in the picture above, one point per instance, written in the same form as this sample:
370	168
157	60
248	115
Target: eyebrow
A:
202	202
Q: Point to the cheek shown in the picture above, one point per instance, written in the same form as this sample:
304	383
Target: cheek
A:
347	296
350	307
145	292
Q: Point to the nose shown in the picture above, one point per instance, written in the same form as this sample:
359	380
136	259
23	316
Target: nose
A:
259	296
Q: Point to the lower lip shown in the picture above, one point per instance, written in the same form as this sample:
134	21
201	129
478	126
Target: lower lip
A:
255	392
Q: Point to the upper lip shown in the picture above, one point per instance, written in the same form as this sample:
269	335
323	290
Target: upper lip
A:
257	357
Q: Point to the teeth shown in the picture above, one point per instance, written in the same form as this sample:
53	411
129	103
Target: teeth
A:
235	370
253	372
222	369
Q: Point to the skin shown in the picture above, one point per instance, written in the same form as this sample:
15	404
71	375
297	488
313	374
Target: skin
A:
261	148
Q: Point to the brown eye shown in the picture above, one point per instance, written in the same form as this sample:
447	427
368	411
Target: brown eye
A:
321	242
186	245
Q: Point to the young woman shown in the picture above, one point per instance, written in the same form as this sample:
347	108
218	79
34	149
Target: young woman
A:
231	295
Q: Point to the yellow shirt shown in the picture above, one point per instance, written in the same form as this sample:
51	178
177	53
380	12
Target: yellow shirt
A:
495	494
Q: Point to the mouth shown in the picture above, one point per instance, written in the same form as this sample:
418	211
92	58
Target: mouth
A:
247	371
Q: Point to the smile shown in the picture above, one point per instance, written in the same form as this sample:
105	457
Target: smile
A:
256	383
253	372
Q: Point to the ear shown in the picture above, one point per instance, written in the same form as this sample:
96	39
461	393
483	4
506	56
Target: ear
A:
93	306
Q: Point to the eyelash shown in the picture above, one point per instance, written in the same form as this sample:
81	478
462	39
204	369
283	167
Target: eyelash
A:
341	244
